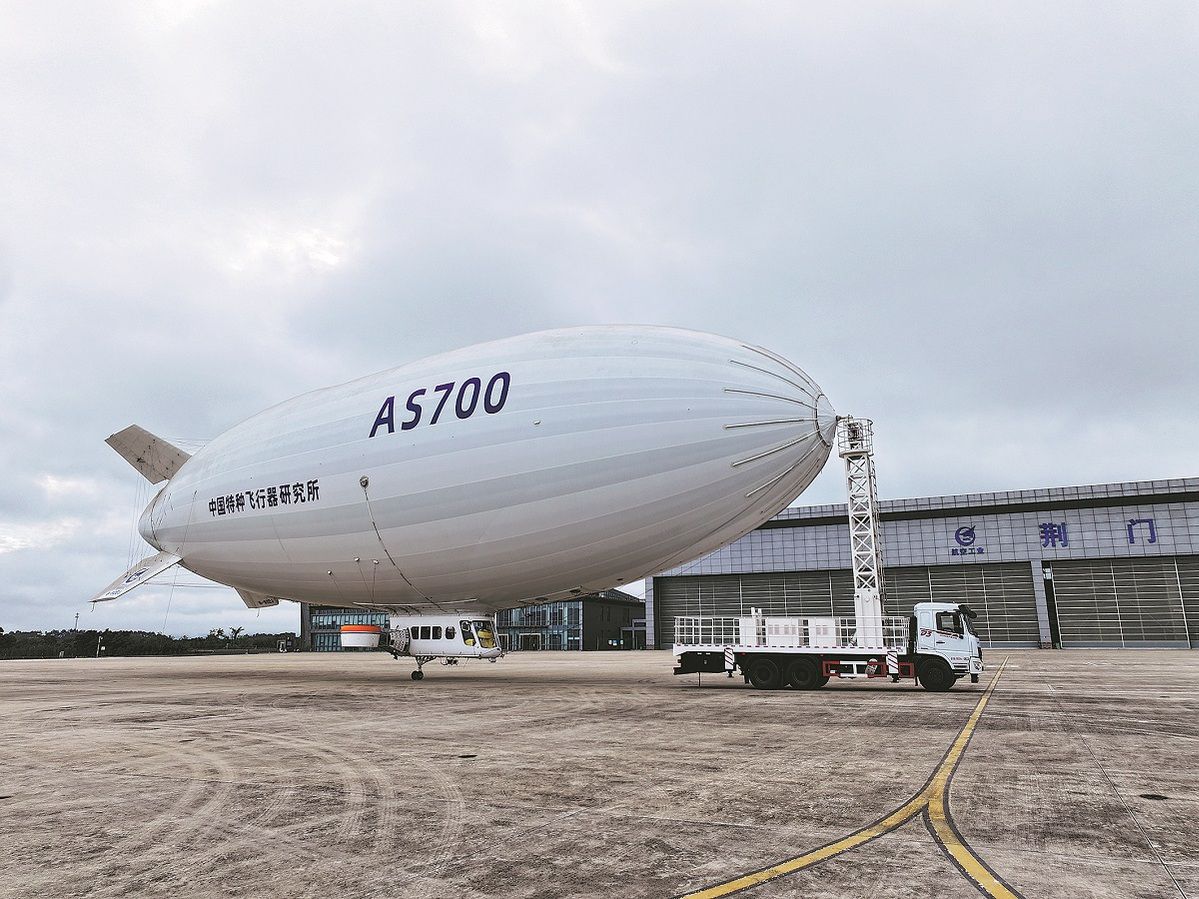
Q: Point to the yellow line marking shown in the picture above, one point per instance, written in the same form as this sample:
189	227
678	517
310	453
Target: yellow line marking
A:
938	809
932	797
964	855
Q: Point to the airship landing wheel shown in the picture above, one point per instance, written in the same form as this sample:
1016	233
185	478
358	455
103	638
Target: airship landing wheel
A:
418	675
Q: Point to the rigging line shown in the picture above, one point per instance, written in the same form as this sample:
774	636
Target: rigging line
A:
137	489
364	482
186	586
170	596
336	586
369	587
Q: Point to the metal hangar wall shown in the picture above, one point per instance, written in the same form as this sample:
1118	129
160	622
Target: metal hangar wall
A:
1107	565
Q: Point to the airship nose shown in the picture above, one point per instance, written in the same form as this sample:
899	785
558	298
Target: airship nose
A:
826	420
783	425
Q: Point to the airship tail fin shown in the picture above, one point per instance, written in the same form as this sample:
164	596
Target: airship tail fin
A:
257	600
152	456
137	575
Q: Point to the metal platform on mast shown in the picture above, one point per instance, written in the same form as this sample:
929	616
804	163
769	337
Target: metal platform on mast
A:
855	444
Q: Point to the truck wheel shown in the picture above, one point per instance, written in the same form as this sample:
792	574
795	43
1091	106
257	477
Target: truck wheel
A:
764	674
802	674
936	676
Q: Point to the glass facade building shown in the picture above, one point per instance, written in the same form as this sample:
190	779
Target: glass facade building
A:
320	626
611	619
551	625
605	620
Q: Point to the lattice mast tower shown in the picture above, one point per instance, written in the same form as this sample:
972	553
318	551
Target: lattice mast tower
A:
855	444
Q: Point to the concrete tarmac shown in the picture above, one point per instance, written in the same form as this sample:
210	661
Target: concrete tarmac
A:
586	774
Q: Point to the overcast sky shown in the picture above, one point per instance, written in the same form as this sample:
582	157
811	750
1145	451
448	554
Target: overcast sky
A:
976	223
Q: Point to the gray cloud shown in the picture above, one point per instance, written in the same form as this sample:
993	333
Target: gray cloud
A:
975	224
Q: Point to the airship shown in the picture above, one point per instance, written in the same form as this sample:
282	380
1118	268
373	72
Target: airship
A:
526	469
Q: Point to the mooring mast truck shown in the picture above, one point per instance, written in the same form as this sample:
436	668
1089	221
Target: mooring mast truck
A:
936	644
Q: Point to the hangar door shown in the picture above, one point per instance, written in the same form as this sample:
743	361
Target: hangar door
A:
1124	602
1188	582
782	594
1001	593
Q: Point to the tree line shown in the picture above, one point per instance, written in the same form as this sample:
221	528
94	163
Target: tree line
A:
85	644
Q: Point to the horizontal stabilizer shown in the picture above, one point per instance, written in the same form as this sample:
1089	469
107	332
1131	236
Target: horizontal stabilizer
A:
152	456
136	576
257	600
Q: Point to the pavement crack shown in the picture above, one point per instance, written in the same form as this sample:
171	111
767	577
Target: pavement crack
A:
1069	728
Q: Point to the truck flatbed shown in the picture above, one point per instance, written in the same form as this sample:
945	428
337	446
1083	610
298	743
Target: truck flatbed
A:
935	645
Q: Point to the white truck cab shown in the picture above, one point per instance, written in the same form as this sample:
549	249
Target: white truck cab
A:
945	629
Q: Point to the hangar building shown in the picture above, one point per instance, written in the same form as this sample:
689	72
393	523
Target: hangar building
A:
1109	565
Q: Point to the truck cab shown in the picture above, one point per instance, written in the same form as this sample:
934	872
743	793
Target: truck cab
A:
943	640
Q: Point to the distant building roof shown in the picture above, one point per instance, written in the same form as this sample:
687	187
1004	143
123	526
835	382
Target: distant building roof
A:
1127	493
613	595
